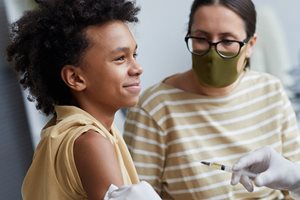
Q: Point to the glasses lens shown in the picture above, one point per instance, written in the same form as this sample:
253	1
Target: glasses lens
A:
228	49
197	46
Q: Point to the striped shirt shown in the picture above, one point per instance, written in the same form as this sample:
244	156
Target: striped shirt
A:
170	131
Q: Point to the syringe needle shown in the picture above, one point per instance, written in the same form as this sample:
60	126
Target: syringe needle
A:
227	168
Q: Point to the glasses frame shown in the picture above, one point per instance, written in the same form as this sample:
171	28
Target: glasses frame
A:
241	43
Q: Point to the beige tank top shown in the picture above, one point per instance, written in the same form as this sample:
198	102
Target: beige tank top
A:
52	174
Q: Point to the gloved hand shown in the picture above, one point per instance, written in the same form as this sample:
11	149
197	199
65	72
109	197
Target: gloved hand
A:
141	191
272	171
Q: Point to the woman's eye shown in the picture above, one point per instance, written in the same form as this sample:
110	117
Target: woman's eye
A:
200	41
227	42
135	55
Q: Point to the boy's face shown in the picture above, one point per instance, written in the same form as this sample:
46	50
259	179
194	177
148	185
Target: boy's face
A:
109	67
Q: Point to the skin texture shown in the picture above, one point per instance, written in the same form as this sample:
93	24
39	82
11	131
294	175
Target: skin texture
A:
106	79
223	24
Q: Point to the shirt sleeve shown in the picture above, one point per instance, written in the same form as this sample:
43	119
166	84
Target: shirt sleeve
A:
146	143
290	131
295	193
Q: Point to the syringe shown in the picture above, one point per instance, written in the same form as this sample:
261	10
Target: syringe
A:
227	168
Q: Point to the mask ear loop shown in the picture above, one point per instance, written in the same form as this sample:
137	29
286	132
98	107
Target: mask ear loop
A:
247	60
247	64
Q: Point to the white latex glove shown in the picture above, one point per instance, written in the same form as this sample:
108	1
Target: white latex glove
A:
272	171
140	191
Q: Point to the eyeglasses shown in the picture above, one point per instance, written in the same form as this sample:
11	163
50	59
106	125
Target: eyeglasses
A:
225	48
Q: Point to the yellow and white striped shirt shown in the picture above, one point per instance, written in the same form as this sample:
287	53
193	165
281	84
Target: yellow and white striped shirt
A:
170	131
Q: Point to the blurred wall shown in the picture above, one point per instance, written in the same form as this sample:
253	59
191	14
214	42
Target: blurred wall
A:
14	10
160	36
16	148
288	17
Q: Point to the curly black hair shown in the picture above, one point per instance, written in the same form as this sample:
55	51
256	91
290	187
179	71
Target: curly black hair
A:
51	36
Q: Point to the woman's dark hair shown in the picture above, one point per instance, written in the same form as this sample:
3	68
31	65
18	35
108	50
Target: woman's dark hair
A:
244	8
51	36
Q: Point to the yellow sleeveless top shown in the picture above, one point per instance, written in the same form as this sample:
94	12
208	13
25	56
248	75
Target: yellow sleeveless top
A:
53	174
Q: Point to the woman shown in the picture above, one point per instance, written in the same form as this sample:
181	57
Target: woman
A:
78	60
216	111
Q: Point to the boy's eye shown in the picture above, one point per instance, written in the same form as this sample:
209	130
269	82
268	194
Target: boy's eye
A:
121	58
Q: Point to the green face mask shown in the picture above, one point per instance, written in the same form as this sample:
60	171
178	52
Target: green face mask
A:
214	71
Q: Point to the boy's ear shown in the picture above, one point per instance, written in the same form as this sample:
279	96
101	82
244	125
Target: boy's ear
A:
72	77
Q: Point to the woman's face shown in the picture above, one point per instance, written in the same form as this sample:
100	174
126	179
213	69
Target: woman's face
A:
216	22
109	67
